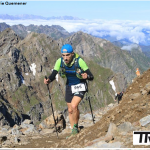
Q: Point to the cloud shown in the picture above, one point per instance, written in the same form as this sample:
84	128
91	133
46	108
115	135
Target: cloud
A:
120	29
130	47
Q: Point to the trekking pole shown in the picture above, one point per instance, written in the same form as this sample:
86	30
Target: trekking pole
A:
52	107
88	98
91	109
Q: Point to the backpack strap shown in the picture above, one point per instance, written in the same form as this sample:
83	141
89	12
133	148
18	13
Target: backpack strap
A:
62	70
62	65
76	63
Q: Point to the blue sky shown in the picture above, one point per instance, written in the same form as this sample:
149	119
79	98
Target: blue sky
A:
108	10
119	19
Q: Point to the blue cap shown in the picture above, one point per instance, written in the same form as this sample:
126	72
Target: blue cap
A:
67	48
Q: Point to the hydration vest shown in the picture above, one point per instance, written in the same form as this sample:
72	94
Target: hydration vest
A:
77	71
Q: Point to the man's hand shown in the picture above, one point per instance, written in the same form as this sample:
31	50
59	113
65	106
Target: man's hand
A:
84	75
46	81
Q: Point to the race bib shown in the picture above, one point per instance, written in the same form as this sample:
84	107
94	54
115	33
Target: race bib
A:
77	88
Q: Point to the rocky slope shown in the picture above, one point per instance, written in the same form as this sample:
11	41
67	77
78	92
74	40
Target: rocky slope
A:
145	50
114	124
141	58
138	53
10	78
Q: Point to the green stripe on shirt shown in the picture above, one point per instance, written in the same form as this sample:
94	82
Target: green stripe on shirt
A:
82	64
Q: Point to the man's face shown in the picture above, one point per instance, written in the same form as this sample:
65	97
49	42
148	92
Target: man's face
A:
67	57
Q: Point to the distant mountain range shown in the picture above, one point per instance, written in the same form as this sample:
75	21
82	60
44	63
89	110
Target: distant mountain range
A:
127	45
103	33
126	41
26	16
54	31
57	32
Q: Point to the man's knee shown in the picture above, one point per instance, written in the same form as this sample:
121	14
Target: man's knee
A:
70	111
74	107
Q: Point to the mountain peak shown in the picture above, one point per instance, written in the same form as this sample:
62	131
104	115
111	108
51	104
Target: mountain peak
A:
8	39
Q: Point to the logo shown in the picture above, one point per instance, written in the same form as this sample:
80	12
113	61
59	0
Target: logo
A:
64	50
76	93
12	3
141	137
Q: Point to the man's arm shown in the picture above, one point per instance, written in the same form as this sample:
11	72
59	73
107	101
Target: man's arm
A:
54	72
53	75
87	73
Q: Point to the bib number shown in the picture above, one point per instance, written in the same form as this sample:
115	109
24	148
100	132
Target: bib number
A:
77	88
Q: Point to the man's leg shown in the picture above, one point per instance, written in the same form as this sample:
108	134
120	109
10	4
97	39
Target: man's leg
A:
74	104
70	112
73	110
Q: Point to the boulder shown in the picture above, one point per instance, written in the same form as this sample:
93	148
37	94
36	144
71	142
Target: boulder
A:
144	121
147	87
49	123
111	132
125	127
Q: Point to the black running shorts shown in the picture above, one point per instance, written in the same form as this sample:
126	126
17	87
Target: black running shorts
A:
69	95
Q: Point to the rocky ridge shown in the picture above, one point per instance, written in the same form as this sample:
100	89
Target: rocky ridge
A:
54	31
